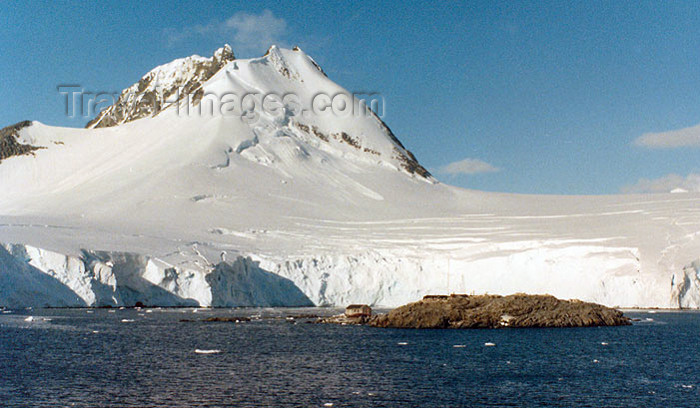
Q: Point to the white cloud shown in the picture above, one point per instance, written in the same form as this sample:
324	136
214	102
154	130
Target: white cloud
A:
687	137
247	33
467	166
665	184
257	32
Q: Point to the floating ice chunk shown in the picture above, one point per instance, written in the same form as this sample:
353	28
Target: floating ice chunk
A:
489	344
212	351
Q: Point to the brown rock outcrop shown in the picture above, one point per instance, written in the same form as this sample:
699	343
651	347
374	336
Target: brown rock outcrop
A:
493	311
9	146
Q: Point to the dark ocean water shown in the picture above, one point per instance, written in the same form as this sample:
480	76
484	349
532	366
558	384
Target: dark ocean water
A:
95	359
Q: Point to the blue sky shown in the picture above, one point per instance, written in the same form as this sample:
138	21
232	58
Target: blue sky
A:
540	97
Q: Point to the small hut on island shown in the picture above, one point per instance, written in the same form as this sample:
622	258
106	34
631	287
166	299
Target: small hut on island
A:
358	311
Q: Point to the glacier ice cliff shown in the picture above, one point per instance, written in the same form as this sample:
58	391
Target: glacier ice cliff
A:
686	287
33	277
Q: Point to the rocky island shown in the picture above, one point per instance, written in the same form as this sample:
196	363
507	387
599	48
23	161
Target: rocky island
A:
493	311
485	312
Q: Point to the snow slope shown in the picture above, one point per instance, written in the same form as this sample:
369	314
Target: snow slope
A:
190	204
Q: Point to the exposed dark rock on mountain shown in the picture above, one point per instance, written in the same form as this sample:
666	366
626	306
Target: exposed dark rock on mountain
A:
411	165
493	311
9	146
408	160
158	87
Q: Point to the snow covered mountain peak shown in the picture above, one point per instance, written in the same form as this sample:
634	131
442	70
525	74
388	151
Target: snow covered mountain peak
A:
280	101
150	94
207	124
224	53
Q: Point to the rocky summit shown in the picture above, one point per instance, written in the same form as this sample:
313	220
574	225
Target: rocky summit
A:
153	91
